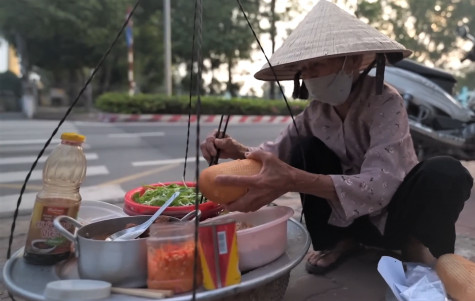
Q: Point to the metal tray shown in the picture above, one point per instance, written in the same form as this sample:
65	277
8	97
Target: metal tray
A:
29	281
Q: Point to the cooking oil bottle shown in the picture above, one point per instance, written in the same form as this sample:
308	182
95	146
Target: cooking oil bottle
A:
63	174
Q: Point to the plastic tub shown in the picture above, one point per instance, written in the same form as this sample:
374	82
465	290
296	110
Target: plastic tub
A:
131	207
266	240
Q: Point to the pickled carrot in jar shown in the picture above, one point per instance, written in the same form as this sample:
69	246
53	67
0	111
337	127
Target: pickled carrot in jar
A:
170	257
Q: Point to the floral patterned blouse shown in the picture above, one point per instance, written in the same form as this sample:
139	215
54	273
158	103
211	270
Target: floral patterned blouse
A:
373	144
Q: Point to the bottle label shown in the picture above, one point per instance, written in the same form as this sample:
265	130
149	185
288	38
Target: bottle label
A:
43	238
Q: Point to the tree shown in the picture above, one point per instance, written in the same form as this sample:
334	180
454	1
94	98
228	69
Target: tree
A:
226	36
274	17
425	26
67	38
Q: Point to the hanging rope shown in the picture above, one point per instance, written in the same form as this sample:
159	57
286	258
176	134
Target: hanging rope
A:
190	96
198	27
270	66
304	163
98	66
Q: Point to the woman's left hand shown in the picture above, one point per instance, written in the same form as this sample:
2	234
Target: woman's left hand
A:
274	180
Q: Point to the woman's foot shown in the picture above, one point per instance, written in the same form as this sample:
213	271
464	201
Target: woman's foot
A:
323	261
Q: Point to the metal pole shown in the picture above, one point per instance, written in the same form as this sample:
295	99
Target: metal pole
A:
168	47
272	36
130	54
130	58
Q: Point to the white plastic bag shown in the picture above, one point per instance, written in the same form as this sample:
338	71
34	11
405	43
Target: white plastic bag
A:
417	283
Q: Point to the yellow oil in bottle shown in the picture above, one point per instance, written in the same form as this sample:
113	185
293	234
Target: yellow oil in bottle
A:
63	174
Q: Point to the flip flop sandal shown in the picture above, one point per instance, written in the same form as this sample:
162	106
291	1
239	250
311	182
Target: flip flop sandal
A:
322	270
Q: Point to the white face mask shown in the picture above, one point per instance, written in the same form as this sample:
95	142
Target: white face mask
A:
332	89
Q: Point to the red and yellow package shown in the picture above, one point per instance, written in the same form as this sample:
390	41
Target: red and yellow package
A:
219	254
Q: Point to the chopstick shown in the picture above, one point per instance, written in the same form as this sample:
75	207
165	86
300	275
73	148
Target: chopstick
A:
215	159
143	292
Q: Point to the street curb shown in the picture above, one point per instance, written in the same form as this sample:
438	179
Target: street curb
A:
177	118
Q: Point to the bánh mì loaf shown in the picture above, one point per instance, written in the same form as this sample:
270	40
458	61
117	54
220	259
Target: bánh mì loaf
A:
223	194
458	276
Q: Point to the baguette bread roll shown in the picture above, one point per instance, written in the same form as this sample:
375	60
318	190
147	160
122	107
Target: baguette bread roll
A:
223	194
458	276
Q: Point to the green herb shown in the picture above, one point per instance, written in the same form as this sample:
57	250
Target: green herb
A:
158	195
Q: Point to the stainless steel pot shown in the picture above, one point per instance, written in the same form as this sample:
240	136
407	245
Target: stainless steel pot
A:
122	263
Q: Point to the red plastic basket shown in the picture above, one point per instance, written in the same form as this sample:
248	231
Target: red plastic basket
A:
131	207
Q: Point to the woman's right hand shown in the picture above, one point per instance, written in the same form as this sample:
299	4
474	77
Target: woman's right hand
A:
229	148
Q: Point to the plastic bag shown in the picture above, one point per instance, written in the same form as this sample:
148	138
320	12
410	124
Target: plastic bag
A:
417	283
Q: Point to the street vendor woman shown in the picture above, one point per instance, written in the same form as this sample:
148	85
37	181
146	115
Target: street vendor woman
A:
349	154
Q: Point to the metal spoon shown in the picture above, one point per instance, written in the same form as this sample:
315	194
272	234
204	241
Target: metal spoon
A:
190	216
136	231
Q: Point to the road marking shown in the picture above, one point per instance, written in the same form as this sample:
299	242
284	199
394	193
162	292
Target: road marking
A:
92	124
90	193
31	159
29	141
105	191
15	176
18	186
165	162
134	135
113	182
139	175
28	148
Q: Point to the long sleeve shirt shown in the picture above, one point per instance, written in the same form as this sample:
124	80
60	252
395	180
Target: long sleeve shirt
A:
373	144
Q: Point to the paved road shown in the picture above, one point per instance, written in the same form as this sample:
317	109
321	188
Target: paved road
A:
120	156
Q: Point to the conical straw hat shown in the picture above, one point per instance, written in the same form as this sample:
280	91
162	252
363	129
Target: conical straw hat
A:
328	31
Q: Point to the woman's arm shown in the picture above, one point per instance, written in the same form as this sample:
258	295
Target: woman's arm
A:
275	179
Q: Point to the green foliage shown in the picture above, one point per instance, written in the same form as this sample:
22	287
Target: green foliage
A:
162	104
62	34
226	37
65	37
425	26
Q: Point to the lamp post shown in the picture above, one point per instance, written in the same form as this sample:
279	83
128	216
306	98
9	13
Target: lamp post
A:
130	53
167	44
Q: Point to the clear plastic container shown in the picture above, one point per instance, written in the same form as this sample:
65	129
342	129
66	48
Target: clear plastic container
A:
170	257
261	235
63	174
